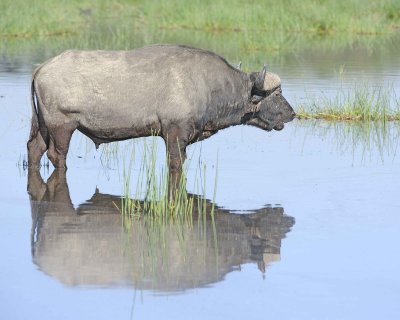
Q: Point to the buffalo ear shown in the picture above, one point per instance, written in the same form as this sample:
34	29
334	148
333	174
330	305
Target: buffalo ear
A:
253	77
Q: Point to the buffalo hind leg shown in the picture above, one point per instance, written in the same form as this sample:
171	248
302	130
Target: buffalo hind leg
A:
60	138
37	146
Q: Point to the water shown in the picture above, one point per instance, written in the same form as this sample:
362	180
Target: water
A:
306	226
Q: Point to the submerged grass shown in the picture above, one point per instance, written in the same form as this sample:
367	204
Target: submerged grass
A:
361	103
159	230
151	195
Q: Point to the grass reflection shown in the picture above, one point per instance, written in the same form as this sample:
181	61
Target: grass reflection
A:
367	138
159	247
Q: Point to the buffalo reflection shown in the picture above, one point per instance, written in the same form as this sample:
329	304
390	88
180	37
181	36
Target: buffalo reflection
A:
88	246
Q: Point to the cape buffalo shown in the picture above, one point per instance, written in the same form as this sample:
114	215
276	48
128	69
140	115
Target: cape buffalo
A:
180	93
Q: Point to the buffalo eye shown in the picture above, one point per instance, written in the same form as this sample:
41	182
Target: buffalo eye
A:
278	91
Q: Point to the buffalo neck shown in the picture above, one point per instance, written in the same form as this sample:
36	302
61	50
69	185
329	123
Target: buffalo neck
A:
230	115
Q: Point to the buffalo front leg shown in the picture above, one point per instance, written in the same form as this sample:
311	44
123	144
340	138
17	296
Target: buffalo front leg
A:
176	155
60	138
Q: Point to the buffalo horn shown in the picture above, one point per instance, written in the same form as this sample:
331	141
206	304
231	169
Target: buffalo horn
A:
260	79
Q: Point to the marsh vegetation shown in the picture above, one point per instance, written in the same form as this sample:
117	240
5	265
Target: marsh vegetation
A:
54	18
363	102
251	32
148	190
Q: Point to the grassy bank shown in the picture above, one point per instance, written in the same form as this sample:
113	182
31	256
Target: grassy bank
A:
55	18
251	32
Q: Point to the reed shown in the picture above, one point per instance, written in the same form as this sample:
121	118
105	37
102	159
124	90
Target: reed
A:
147	190
361	103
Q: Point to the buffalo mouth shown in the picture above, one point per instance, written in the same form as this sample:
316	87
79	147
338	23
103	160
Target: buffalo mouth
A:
279	126
266	125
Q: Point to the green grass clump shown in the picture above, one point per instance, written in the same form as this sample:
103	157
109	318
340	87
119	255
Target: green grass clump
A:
363	103
153	196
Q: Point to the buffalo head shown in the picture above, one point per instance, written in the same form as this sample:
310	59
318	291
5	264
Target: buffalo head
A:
272	112
268	109
264	82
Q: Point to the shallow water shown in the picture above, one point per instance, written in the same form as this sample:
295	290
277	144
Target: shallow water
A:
306	223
